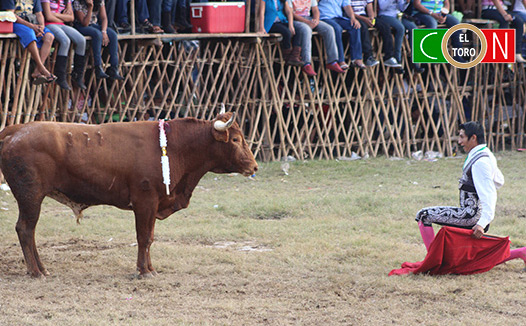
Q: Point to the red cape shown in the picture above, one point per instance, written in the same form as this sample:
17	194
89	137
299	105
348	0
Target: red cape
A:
454	251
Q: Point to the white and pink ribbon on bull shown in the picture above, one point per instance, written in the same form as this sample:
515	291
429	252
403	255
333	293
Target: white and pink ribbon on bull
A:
165	164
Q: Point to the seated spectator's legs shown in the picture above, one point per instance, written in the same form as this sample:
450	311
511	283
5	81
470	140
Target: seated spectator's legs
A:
409	26
141	6
154	8
32	44
110	11
493	14
365	38
338	30
121	18
455	38
327	33
304	38
290	56
62	55
95	33
386	24
355	40
166	16
282	29
427	20
518	24
521	14
62	39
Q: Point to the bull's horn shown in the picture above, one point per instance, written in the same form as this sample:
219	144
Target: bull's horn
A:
222	108
222	126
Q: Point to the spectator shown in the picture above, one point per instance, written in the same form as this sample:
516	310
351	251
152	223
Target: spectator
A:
304	23
331	12
364	12
272	19
519	9
154	9
390	18
121	19
467	8
181	14
143	14
56	14
433	12
166	16
34	36
86	12
497	10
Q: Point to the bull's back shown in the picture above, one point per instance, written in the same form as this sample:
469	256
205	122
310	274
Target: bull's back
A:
88	163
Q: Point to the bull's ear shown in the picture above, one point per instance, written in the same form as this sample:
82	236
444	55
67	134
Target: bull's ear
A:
220	130
220	135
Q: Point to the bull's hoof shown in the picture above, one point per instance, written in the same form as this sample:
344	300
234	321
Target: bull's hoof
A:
37	275
147	275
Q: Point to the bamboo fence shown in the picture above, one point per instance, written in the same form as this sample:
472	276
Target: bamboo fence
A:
282	111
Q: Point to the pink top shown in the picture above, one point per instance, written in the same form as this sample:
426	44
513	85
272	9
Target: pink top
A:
484	3
56	6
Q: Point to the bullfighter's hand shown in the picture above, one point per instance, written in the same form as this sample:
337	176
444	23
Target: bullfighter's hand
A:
478	232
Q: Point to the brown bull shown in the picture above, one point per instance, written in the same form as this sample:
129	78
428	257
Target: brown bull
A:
115	164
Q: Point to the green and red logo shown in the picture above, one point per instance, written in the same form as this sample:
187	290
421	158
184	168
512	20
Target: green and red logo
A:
478	45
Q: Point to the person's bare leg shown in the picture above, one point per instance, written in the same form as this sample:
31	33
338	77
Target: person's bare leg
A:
40	69
46	47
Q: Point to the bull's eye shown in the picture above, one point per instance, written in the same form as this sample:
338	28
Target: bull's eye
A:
235	140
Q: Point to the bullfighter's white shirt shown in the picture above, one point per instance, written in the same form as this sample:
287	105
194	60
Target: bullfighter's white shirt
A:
487	178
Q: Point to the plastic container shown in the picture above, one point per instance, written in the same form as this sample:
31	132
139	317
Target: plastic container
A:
218	17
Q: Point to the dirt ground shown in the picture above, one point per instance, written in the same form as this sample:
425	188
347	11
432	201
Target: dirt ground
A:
310	248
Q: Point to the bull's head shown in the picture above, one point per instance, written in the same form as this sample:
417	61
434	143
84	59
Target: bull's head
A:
234	152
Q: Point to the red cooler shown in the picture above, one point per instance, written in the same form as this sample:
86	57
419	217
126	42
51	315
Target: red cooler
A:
6	27
218	17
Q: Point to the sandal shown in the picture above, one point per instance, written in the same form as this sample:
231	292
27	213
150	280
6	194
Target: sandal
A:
358	64
150	28
51	78
39	80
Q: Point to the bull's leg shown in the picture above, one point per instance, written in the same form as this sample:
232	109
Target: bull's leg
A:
144	224
25	228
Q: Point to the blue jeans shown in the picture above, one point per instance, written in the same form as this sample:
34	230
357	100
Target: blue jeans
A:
141	6
304	33
283	29
385	24
95	32
409	26
517	24
154	8
432	23
355	42
121	8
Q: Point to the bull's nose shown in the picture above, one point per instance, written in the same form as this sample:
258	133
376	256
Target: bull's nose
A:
256	168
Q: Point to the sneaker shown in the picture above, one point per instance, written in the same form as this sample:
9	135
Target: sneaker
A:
371	62
418	69
334	67
391	62
519	58
308	70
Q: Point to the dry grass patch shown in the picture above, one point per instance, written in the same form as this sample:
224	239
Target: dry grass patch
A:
310	248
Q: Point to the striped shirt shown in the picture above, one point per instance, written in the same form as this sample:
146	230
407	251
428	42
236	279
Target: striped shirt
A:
358	6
